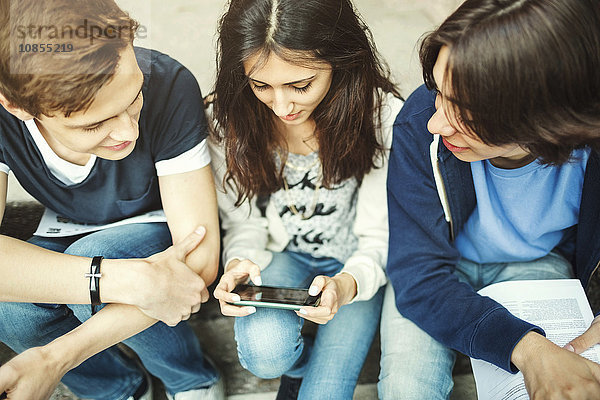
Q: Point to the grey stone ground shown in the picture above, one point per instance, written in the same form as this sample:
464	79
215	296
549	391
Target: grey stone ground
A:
185	29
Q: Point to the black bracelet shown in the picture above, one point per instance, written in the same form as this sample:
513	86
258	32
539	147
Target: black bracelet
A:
95	276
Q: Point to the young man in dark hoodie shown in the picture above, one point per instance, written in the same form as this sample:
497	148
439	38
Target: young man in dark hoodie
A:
492	177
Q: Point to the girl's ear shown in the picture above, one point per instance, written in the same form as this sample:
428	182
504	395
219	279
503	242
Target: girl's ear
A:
17	112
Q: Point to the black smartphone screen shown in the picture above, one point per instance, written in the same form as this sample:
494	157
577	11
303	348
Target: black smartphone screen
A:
271	294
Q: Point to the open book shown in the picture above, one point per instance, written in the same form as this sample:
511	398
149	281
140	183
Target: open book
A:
560	307
54	225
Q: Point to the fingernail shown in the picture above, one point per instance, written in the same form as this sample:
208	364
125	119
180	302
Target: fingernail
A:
313	290
200	230
257	281
250	310
302	311
235	297
569	347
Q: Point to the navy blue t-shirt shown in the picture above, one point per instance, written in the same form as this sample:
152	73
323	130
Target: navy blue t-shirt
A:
171	122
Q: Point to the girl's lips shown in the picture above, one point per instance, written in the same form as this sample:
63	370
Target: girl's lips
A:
119	146
290	117
453	148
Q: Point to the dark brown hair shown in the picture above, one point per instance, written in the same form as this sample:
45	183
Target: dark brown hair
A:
302	33
55	79
523	72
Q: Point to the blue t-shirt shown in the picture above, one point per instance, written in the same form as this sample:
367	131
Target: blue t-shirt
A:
523	213
171	122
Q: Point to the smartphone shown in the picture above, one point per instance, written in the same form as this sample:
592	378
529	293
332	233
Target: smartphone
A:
275	297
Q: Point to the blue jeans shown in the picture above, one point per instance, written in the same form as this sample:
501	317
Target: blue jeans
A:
270	343
416	366
172	354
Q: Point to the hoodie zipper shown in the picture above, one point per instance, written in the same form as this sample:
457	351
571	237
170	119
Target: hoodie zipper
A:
439	183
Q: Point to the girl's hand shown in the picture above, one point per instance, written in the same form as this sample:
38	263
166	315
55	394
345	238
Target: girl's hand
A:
336	292
237	272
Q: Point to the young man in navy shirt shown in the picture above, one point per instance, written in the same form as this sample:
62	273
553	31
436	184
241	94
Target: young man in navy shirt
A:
99	131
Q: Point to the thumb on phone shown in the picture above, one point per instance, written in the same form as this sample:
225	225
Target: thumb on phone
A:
587	339
243	270
191	241
254	275
317	285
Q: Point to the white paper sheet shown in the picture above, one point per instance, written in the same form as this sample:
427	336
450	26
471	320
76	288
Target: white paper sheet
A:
560	307
53	225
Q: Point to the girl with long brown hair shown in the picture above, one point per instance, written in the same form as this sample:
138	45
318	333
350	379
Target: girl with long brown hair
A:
304	110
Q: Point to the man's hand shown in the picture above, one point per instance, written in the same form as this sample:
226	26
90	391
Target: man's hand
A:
31	375
167	289
336	292
587	339
552	372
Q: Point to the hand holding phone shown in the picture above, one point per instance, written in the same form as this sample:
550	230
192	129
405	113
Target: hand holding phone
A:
335	292
237	271
274	297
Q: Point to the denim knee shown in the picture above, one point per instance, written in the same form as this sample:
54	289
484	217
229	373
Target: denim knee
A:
127	241
89	246
269	342
25	325
414	365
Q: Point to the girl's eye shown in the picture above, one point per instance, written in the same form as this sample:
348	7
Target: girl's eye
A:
302	89
136	103
93	129
259	88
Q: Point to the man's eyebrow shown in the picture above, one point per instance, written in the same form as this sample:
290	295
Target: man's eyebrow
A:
288	83
93	124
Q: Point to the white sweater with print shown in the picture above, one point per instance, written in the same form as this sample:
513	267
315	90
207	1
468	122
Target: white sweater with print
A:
249	235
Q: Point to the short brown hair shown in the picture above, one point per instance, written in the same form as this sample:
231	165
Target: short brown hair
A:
50	81
525	72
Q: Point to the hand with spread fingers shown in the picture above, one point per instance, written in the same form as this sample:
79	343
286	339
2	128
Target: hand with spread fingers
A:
557	374
335	292
237	271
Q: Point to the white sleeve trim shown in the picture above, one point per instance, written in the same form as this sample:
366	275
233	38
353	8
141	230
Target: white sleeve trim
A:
4	168
367	264
196	158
